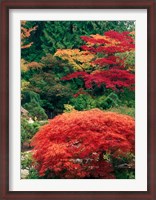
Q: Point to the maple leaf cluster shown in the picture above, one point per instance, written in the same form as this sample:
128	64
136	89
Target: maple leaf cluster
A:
72	145
115	79
110	42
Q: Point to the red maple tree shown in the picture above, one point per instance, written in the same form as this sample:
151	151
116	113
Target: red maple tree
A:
108	68
115	79
72	145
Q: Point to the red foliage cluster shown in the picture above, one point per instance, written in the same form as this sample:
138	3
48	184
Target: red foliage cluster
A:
75	75
93	40
72	145
121	42
102	61
109	49
123	36
113	78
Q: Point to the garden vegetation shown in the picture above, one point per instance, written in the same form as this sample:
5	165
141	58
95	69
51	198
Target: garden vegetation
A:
78	94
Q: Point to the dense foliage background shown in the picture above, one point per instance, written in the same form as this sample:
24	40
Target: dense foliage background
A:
75	65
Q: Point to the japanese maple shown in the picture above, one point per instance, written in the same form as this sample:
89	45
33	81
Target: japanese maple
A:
110	42
115	79
79	60
72	145
107	67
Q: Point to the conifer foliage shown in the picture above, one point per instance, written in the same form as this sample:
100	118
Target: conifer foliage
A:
72	145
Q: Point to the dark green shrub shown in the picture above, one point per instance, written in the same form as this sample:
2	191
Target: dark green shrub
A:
127	98
83	102
33	174
35	110
28	96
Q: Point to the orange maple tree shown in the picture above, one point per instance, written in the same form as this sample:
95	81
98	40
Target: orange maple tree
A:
78	60
72	145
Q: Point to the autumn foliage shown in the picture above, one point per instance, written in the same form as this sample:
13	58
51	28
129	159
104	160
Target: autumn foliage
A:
105	66
110	42
115	79
79	60
72	145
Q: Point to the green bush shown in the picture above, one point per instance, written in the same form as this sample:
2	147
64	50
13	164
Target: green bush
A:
28	130
35	110
33	174
86	102
28	96
127	98
83	102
